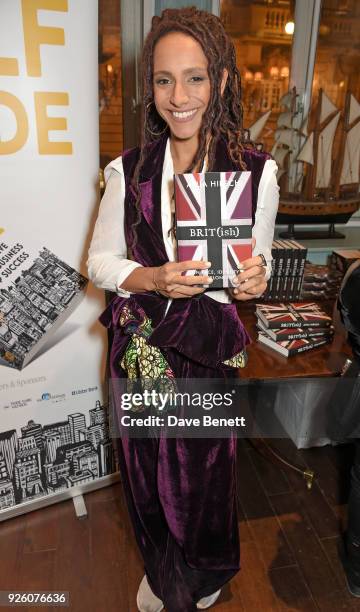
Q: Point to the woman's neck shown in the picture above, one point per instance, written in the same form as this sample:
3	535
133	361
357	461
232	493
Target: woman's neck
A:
182	153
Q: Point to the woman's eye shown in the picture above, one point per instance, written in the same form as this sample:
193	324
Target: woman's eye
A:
196	79
162	81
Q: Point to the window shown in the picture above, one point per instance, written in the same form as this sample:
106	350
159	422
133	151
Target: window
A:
259	31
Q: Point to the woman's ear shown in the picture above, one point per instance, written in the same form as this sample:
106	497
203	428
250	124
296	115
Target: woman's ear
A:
223	81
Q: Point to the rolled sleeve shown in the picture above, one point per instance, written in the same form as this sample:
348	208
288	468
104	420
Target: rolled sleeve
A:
267	207
107	263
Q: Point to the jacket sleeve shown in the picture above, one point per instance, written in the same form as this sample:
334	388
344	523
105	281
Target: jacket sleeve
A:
107	262
267	206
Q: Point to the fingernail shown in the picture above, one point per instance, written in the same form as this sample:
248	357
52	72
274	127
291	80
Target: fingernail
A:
236	291
211	280
235	281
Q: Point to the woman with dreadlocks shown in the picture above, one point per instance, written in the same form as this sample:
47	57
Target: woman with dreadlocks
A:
181	493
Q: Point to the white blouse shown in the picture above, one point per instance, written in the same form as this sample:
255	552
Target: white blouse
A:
107	264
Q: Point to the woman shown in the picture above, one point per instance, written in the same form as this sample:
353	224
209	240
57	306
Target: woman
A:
181	493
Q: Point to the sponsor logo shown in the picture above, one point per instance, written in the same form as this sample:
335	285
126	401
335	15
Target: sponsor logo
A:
18	403
46	396
85	390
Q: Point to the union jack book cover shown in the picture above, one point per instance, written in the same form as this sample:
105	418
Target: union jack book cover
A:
293	347
294	333
214	222
299	314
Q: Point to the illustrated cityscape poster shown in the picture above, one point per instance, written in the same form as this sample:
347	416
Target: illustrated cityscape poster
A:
54	428
53	431
37	293
41	459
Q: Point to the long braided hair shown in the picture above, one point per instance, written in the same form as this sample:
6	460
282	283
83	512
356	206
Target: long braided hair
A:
224	115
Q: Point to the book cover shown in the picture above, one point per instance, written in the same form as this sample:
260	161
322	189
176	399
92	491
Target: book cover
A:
278	281
293	333
304	314
38	291
300	269
293	347
214	222
267	295
293	271
341	259
285	285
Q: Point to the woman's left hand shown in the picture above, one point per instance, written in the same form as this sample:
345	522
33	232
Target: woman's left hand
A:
251	281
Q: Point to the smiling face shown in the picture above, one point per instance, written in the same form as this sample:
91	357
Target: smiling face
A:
181	84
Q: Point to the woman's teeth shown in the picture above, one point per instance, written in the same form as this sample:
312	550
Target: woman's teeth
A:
184	115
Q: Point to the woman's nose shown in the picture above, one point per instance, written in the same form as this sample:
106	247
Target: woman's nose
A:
179	95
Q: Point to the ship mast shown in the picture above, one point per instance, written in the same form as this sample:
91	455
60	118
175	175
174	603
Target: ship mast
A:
319	159
347	164
289	138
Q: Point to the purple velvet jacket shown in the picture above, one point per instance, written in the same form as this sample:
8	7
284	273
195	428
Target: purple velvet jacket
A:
200	328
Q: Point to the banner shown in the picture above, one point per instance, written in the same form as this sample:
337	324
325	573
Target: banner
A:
53	432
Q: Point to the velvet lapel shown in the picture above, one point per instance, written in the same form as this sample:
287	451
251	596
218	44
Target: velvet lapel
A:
150	182
151	176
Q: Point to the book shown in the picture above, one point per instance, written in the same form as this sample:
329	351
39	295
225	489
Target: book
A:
214	222
293	333
288	256
302	253
270	284
303	314
38	291
293	272
341	259
289	348
320	282
278	281
287	271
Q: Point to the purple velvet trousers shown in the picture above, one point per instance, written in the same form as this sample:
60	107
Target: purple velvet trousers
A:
181	496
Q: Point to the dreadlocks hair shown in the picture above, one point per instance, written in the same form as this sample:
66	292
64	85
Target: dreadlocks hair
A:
224	115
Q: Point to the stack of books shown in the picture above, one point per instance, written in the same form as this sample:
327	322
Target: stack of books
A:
320	282
293	328
287	273
341	259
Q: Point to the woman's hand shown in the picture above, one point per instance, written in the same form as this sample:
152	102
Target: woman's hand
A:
169	281
251	280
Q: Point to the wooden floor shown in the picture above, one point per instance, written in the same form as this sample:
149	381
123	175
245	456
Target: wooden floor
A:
288	537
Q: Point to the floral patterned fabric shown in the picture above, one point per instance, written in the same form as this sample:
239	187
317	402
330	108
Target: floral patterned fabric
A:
144	364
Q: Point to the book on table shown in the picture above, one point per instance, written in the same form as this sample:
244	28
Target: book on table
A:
285	282
293	314
214	222
294	333
287	348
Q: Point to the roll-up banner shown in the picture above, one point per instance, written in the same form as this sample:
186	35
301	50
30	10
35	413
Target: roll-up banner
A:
53	431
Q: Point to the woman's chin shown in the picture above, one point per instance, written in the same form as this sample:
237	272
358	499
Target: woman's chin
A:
183	133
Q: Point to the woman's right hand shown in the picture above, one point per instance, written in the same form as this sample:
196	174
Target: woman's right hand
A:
170	282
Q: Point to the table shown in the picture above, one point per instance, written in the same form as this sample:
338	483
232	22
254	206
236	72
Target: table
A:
295	388
264	363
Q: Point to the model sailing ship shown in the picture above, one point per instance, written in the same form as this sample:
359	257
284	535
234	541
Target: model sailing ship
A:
328	191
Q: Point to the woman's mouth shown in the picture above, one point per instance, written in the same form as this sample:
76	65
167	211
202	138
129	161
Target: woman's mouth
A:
184	115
